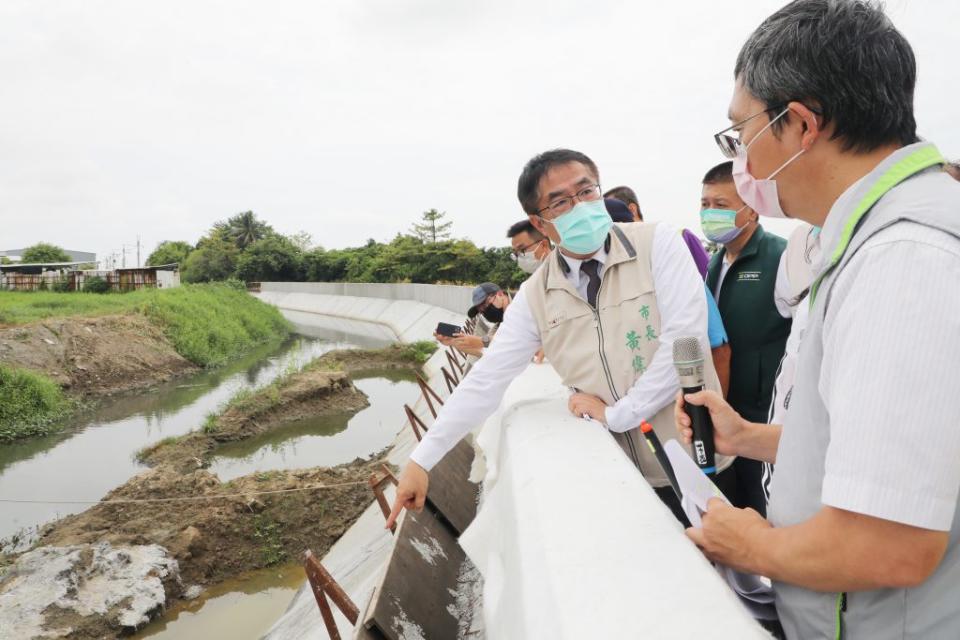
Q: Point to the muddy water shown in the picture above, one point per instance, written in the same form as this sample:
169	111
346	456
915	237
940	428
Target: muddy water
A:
243	607
328	440
96	453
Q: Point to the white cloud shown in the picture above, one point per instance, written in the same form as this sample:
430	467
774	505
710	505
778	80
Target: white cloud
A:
347	118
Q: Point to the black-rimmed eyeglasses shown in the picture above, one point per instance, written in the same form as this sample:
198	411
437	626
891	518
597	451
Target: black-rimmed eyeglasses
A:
561	205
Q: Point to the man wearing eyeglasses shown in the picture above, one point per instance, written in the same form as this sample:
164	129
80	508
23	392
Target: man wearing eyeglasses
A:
529	246
606	306
863	537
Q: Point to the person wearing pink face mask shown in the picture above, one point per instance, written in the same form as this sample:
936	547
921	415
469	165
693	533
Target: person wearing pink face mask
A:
862	535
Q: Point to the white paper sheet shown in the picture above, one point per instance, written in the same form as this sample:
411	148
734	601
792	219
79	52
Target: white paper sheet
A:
697	489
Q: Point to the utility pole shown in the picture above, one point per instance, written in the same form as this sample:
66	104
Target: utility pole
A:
138	251
123	262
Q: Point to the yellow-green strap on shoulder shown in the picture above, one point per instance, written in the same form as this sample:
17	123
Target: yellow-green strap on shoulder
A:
841	606
914	163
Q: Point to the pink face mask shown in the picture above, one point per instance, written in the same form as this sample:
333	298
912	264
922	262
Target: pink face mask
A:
759	195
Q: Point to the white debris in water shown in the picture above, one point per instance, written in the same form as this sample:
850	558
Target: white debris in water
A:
429	550
405	628
63	577
192	592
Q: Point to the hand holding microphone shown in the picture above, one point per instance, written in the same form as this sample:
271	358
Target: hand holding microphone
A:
688	360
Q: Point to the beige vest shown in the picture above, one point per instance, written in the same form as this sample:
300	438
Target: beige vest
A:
604	351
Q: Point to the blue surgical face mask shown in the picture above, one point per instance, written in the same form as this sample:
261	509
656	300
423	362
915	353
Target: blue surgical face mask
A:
583	229
720	225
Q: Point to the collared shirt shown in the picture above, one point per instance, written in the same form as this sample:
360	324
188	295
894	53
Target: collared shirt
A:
578	278
757	331
680	299
871	428
888	377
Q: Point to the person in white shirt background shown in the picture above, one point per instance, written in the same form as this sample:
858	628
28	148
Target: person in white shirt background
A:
561	194
794	278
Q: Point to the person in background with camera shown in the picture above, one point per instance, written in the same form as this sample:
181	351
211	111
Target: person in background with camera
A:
489	302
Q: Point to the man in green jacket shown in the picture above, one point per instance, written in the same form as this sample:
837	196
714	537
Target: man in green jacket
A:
742	275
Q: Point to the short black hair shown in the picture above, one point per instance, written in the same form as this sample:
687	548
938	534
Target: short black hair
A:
528	186
626	195
723	172
843	58
524	226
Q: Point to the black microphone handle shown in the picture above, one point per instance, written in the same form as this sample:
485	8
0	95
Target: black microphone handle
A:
703	448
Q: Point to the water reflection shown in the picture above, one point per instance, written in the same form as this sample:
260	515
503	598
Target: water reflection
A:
96	454
327	440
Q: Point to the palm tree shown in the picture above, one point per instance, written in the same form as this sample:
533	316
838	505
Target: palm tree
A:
245	228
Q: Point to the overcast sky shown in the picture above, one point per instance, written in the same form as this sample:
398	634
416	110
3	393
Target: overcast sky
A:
348	118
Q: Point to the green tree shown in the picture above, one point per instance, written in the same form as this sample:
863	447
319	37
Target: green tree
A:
170	251
432	228
213	259
44	252
273	259
326	266
245	228
5	260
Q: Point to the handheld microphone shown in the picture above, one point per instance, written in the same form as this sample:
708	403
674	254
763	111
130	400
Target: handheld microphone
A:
688	359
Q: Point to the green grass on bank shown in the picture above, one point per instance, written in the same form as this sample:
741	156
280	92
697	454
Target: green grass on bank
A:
21	307
210	323
30	404
207	323
419	351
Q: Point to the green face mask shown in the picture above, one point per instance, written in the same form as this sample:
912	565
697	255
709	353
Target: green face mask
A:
584	228
720	225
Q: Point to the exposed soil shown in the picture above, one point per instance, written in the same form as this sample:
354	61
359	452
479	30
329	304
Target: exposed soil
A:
221	537
305	394
234	527
94	356
217	538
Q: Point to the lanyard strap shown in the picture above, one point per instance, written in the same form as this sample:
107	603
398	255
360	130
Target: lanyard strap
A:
914	163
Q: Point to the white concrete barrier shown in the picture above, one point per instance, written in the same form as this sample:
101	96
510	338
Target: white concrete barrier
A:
407	320
570	539
450	297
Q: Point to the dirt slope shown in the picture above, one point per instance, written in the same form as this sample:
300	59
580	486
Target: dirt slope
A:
94	356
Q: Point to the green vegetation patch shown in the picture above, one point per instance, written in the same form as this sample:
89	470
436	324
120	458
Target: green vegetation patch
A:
21	307
207	323
30	404
419	351
210	323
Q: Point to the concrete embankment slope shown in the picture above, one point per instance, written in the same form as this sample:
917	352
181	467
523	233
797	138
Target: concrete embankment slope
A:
570	540
404	312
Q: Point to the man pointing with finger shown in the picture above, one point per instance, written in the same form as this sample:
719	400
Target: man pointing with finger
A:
605	306
863	538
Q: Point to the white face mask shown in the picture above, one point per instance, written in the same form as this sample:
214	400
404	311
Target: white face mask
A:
527	262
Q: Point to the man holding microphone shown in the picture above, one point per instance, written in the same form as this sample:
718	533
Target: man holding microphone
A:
862	537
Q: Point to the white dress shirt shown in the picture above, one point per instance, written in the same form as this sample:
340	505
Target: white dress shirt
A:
683	312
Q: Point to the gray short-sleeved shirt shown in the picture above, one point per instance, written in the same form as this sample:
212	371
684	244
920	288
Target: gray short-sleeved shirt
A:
871	425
